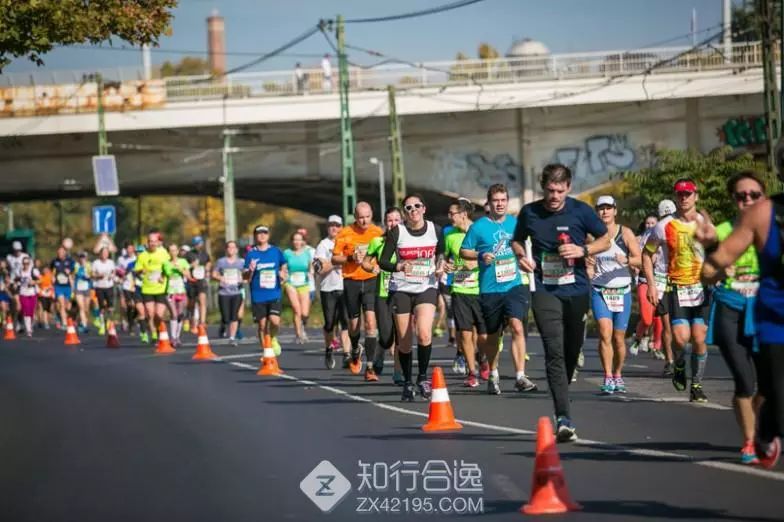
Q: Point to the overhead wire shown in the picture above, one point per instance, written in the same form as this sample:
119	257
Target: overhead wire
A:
414	14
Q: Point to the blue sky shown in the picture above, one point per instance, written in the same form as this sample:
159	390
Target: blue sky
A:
562	25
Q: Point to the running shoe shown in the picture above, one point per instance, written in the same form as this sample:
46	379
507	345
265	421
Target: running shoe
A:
620	386
748	455
232	341
355	366
679	375
144	338
222	331
154	335
667	369
82	329
608	387
370	375
696	394
47	326
298	340
459	365
186	326
634	347
275	346
438	332
564	430
397	378
239	334
346	361
378	365
574	375
769	453
425	388
451	342
102	331
304	338
645	344
471	381
527	356
580	360
329	359
484	371
658	354
524	384
492	386
408	392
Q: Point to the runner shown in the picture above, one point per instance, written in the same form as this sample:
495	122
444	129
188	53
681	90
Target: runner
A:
45	297
383	308
5	288
611	294
359	286
333	306
265	268
666	210
299	259
502	294
228	273
761	226
26	282
688	301
177	270
469	322
732	314
103	270
418	247
126	276
200	267
558	226
150	265
648	323
83	285
63	268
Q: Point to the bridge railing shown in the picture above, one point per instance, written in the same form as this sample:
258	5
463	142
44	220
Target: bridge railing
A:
131	93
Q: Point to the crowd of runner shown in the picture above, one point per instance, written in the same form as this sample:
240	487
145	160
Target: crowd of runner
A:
387	291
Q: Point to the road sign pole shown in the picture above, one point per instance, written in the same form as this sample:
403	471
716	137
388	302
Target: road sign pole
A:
229	208
396	152
103	145
346	137
772	109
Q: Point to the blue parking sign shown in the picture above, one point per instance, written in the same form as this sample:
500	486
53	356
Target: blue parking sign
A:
104	219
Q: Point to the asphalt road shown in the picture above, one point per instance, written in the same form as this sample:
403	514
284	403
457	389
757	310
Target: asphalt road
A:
94	434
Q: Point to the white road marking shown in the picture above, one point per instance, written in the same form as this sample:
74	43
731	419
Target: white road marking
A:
726	466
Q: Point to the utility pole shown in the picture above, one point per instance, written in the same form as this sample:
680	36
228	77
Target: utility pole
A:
346	137
229	209
103	146
396	151
772	101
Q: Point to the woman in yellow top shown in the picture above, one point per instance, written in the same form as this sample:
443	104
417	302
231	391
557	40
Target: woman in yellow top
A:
300	262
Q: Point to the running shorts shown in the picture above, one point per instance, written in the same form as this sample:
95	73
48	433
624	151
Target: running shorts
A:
512	304
265	310
405	302
620	320
468	313
359	295
688	315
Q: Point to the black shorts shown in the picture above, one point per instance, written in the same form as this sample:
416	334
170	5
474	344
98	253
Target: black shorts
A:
689	315
468	313
154	298
334	309
105	297
497	307
663	308
196	287
265	310
405	302
443	289
46	303
130	297
229	307
358	296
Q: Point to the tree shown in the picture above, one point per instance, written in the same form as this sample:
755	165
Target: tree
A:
642	190
746	21
31	28
188	66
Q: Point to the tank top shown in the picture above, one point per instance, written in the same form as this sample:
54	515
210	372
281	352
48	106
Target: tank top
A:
746	278
420	252
609	273
770	304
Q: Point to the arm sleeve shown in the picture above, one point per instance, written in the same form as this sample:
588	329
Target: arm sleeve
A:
520	234
390	245
440	245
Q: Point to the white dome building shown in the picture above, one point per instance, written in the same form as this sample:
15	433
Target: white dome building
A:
529	58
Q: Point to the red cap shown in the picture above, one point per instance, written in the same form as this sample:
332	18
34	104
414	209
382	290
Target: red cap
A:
685	186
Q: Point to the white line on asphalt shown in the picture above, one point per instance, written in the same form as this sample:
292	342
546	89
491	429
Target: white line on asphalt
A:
646	398
726	466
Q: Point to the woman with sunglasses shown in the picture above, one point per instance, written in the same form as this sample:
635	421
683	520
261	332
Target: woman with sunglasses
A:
418	246
732	315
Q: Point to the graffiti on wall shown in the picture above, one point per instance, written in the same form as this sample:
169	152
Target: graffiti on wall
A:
600	155
744	131
502	168
471	173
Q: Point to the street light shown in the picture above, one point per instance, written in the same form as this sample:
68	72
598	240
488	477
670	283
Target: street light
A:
381	184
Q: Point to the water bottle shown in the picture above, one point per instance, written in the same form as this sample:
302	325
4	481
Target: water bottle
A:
564	239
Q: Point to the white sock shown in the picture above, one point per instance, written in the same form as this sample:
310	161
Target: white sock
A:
494	373
520	375
28	322
173	328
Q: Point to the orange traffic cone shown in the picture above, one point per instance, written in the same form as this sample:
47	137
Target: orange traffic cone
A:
549	493
70	333
164	346
441	418
203	350
10	334
111	336
269	364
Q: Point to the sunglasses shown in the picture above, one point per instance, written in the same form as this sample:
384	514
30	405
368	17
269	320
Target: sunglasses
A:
742	196
415	206
684	193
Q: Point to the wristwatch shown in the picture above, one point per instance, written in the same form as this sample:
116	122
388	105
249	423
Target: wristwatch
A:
585	250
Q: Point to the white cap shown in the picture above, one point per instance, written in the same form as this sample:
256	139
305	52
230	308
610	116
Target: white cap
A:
666	207
16	245
605	200
334	218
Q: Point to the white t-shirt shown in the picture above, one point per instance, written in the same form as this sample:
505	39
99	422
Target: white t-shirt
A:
326	68
104	272
332	280
15	263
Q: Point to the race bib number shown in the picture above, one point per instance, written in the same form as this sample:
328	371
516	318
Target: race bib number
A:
419	270
298	278
128	284
505	270
465	278
690	296
613	298
198	272
176	286
360	251
231	277
660	281
746	288
268	279
82	285
62	279
555	271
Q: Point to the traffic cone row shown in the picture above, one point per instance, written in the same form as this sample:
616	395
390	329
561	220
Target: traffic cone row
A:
70	334
10	334
269	363
164	345
203	350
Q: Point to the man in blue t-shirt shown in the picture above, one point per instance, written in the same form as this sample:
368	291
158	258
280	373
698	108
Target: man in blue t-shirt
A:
63	268
265	269
502	295
557	226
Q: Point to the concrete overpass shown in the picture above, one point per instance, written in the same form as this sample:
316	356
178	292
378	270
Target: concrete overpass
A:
466	125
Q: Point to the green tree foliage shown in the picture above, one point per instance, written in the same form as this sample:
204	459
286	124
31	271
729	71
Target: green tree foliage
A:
188	66
642	190
31	28
746	21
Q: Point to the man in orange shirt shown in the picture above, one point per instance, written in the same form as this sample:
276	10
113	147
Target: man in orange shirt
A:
359	286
